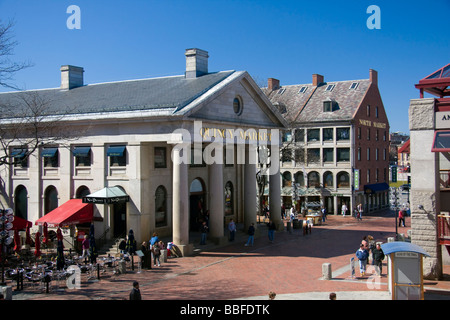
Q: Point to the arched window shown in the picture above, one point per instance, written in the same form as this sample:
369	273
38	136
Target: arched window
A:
343	180
328	179
299	178
50	199
160	207
82	191
229	198
287	179
313	179
21	202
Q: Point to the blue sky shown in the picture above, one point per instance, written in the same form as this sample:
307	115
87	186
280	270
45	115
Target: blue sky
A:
287	40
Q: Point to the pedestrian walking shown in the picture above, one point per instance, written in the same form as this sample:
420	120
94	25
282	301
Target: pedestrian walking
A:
401	218
204	233
135	293
156	250
362	254
324	214
360	211
154	239
232	229
251	235
271	232
377	258
85	247
344	209
131	243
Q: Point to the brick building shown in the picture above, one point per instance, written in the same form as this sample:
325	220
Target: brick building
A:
337	148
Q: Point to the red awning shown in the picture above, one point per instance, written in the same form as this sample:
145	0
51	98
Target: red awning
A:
20	224
72	212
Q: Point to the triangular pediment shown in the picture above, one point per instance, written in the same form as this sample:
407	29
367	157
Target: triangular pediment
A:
236	100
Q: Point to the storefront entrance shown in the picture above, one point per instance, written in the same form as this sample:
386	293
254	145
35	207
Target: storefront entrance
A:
120	219
197	205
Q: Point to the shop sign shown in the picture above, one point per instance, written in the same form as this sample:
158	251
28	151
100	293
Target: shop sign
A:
442	120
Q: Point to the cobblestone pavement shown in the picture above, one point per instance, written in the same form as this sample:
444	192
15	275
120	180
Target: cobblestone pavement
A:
291	267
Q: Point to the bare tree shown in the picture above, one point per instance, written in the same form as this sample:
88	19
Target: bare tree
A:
8	67
27	122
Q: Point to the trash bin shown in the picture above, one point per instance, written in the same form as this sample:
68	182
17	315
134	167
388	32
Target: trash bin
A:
147	260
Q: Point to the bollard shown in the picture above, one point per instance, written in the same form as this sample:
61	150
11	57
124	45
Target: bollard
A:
163	257
326	271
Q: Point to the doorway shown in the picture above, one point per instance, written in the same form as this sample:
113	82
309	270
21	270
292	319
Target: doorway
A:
119	218
197	205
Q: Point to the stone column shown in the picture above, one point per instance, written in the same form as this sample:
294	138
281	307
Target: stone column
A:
216	193
180	202
275	188
425	190
249	187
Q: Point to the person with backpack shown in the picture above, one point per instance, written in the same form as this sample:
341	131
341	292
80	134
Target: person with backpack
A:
362	254
156	250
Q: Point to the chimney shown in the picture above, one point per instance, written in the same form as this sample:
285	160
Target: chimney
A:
71	77
273	84
373	76
317	79
196	63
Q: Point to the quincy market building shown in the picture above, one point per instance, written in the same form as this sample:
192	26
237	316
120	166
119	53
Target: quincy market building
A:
119	171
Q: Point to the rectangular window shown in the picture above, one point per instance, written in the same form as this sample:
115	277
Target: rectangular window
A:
368	175
327	106
117	156
376	112
359	132
328	134
343	154
313	155
368	133
368	110
287	136
51	159
376	154
303	90
82	156
376	175
313	135
299	135
20	157
299	155
359	154
384	154
354	85
328	155
160	157
368	154
343	134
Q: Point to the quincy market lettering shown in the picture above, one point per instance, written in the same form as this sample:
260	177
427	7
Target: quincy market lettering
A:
442	119
220	139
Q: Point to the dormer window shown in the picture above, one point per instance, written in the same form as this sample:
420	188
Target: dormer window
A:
330	105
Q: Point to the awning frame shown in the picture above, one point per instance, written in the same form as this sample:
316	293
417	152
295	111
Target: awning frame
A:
433	147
